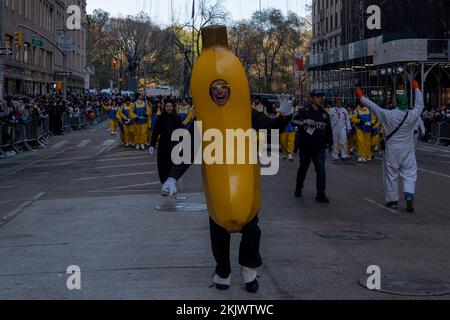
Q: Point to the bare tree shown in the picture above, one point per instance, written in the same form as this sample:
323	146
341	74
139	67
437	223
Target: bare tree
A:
208	12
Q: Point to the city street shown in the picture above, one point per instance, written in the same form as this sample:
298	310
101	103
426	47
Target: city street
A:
89	202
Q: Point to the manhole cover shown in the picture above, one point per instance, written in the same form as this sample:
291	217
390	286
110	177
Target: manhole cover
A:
351	235
410	286
181	207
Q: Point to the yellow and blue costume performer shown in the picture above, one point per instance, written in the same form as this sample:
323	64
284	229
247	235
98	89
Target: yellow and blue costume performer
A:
142	114
363	120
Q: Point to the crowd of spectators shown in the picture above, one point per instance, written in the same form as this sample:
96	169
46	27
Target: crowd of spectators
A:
16	112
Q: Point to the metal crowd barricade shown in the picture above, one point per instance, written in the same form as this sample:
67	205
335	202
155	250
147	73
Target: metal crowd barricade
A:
35	132
75	122
65	122
31	136
6	134
43	130
83	120
440	131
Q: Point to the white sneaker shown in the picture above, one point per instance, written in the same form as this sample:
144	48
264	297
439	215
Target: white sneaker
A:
248	274
290	157
221	283
360	160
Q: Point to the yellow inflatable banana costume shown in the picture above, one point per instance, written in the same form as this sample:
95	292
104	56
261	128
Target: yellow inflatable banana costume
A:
232	190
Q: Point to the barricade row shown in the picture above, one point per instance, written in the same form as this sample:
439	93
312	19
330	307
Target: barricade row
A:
35	133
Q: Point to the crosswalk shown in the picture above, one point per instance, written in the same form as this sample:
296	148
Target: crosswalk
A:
83	143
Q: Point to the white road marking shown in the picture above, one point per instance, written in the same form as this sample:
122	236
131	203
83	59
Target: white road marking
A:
35	162
68	159
106	149
136	185
123	154
424	148
60	144
117	175
124	165
53	164
12	200
107	143
116	191
382	206
9	187
23	206
124	159
435	173
83	143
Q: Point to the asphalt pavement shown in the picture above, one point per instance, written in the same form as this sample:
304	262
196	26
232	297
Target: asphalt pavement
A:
86	201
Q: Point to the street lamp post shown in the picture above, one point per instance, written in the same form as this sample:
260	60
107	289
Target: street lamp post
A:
1	57
64	55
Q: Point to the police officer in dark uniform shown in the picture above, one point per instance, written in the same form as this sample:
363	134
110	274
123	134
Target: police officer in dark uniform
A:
315	135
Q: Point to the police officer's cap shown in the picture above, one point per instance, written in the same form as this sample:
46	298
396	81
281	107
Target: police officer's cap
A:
317	93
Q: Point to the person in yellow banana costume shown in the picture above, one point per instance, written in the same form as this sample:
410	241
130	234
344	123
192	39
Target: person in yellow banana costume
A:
222	100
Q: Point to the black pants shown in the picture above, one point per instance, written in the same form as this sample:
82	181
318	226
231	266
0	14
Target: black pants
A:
164	164
318	157
248	252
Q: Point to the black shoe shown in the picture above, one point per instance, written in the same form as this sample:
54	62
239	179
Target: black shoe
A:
252	287
298	193
410	205
392	205
322	198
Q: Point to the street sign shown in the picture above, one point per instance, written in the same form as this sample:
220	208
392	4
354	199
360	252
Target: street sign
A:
63	74
65	43
6	51
37	43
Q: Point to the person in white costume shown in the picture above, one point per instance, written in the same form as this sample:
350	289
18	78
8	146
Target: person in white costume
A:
340	122
400	154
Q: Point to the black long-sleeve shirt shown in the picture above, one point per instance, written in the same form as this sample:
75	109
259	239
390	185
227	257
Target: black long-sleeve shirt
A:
259	121
165	125
323	133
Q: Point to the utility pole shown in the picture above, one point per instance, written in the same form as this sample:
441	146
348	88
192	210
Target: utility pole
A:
64	65
1	57
193	33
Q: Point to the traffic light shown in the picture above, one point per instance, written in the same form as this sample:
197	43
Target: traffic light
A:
114	64
18	38
59	86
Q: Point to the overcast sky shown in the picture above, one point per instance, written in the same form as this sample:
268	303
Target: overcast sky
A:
160	10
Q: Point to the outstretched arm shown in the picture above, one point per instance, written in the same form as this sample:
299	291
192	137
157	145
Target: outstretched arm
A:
261	121
419	105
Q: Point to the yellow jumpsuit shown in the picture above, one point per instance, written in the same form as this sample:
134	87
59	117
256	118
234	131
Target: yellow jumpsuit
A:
112	116
363	120
376	135
143	115
126	115
186	115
